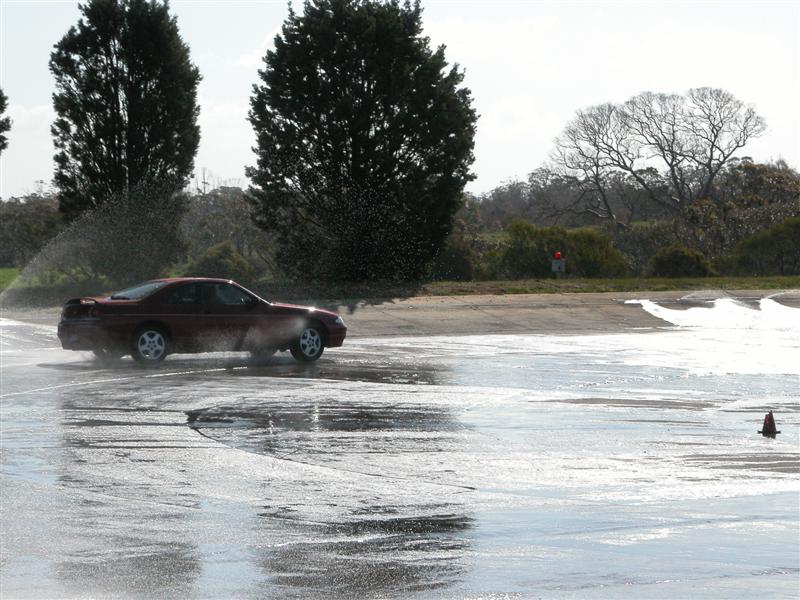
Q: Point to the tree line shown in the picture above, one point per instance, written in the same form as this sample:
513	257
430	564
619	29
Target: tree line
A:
365	138
746	200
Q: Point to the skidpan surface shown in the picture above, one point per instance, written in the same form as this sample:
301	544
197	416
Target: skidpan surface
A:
624	465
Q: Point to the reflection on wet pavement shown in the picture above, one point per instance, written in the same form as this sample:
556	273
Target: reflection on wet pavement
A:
160	569
415	546
363	557
778	463
282	365
274	419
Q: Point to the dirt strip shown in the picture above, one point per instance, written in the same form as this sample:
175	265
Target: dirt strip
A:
533	313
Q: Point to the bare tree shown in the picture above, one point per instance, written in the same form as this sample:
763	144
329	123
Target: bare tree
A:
582	151
599	151
691	137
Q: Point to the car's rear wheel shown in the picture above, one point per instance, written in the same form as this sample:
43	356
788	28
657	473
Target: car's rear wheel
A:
150	345
309	345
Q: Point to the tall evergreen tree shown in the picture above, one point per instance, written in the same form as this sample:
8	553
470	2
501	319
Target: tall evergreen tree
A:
5	122
126	103
364	142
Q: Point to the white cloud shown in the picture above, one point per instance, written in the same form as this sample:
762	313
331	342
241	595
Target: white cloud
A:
254	59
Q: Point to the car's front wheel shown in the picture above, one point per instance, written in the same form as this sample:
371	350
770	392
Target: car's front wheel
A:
150	345
308	346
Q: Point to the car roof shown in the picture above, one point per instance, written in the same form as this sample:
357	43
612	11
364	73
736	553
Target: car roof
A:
190	279
171	281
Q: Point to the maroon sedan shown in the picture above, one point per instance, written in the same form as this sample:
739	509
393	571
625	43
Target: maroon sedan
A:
155	318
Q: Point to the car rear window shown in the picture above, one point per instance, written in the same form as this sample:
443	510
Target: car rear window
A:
138	292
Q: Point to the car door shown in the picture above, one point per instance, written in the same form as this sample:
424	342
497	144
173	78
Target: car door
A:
229	313
180	310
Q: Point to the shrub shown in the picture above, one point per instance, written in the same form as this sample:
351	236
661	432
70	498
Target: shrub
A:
679	261
26	225
225	214
771	251
223	261
455	261
591	254
529	252
529	249
488	249
641	240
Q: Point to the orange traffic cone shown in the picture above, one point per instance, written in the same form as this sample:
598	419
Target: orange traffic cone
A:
768	429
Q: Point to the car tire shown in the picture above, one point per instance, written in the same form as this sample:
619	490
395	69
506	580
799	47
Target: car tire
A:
309	345
150	345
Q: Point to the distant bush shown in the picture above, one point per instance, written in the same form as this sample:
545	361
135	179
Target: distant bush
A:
529	249
772	251
488	249
529	252
225	214
640	241
455	261
223	261
591	254
26	225
679	261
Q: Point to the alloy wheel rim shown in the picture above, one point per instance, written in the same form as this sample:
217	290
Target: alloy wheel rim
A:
310	342
151	345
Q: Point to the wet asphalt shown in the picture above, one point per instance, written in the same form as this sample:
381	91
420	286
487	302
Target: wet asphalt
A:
447	467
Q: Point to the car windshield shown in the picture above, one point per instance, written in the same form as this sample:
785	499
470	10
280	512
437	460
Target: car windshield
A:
138	292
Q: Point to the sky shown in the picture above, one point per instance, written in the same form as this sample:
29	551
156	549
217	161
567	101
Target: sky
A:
530	66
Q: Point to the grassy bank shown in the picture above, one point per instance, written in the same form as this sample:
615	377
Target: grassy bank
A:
344	293
631	284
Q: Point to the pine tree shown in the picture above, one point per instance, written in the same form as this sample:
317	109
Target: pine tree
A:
126	103
364	142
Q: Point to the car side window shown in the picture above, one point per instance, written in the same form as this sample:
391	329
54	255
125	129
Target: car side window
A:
225	294
184	294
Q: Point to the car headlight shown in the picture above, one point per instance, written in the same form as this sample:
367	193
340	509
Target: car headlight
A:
339	321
